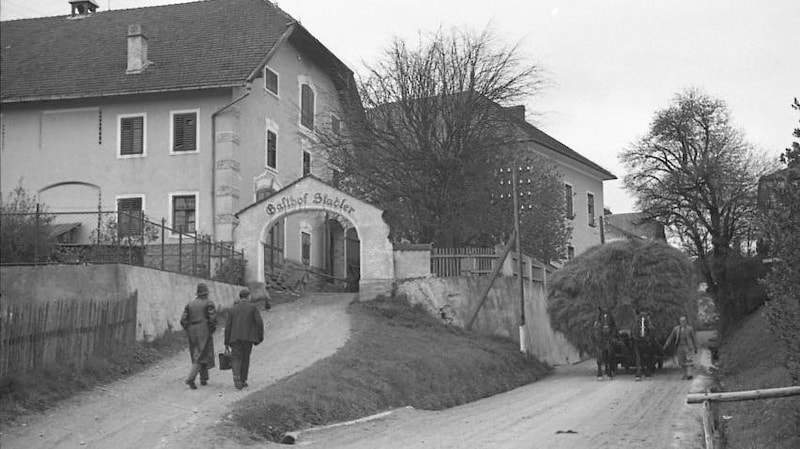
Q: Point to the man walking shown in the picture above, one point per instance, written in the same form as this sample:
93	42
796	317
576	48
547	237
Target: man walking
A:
683	337
199	320
243	329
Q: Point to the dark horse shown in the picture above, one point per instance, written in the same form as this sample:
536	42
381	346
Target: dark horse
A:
604	332
644	345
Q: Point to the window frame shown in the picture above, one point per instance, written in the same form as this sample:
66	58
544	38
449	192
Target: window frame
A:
335	119
117	199
591	209
303	246
569	206
277	81
120	118
270	127
313	90
172	224
310	163
172	115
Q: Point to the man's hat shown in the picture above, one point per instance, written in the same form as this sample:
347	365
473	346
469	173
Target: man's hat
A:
244	293
202	289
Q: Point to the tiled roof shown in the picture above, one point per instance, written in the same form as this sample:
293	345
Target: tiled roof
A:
538	136
192	45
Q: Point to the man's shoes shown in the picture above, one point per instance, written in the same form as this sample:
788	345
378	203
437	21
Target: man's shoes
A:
204	382
191	384
689	377
244	384
238	386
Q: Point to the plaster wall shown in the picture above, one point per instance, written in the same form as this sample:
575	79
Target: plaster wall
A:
38	139
161	295
499	314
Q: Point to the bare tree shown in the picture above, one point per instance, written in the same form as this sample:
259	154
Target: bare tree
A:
695	173
434	133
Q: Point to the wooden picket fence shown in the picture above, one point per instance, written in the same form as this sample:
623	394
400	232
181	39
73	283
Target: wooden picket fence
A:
447	262
33	335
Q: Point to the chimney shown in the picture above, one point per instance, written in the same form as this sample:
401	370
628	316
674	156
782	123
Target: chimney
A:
137	50
517	111
82	8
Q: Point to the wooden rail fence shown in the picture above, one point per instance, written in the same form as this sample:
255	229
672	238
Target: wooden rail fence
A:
67	332
709	430
447	262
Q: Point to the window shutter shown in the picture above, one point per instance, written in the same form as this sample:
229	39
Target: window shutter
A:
307	107
185	132
131	135
272	149
129	216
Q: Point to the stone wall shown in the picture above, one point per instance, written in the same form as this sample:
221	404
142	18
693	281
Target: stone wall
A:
500	314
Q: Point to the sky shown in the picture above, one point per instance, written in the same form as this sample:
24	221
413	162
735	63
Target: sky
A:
610	64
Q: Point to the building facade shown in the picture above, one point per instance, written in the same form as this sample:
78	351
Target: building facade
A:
188	112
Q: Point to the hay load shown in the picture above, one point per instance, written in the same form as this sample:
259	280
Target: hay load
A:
622	276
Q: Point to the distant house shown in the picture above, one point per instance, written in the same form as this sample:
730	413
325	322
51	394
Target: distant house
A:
633	225
187	112
583	181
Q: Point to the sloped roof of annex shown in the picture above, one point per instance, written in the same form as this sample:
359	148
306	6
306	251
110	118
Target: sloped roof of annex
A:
197	45
526	132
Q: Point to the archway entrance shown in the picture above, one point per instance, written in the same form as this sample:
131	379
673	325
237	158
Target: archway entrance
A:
320	226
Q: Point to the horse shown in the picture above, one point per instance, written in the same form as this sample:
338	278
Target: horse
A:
604	332
644	345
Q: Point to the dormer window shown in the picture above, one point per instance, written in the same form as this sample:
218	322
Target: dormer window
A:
82	7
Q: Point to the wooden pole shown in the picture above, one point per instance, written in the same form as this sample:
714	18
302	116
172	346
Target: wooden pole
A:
708	427
488	287
732	396
515	202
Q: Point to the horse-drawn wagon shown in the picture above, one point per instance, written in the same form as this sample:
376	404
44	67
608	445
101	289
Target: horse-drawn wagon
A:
625	352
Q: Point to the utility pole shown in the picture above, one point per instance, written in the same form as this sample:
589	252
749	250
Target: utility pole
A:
515	202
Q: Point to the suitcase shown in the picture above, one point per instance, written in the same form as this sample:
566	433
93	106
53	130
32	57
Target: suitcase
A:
225	360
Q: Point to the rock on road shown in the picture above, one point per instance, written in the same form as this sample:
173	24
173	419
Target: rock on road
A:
155	409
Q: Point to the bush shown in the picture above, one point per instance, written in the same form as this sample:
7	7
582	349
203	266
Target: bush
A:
24	229
231	270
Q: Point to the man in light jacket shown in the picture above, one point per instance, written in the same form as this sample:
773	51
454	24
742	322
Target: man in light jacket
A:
243	329
684	338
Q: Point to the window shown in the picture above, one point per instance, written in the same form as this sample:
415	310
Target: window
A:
568	197
306	247
130	216
272	149
184	213
264	193
184	132
590	203
336	177
336	125
270	81
306	163
307	106
132	135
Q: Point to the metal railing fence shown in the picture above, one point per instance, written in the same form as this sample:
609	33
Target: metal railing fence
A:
102	237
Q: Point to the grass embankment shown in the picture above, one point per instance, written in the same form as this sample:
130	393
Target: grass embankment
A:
36	391
751	358
398	355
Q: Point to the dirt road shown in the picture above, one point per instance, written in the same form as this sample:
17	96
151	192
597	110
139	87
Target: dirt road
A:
569	409
154	409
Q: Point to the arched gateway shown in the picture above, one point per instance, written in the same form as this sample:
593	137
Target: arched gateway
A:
310	194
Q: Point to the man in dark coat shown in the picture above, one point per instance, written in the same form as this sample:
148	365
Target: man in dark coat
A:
199	320
243	329
683	337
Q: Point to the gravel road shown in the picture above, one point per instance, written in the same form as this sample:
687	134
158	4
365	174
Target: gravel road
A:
155	409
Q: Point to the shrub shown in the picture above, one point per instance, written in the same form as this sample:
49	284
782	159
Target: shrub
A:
231	270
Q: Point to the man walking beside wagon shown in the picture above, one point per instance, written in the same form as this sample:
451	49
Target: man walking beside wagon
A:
683	337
